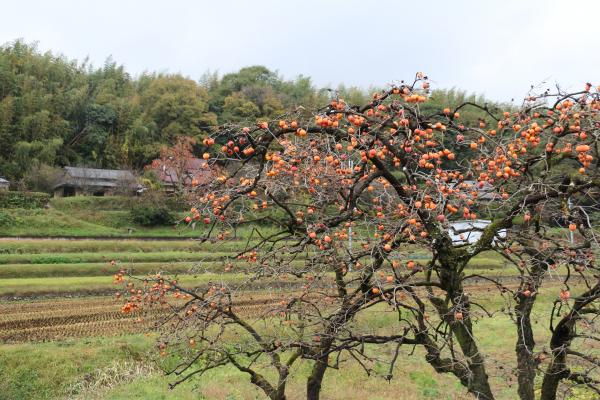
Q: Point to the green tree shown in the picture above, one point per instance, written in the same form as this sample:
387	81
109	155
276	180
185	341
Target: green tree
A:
177	106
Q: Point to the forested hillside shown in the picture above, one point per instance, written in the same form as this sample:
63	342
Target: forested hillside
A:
55	111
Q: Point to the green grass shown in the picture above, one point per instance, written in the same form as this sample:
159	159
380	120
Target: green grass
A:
39	282
86	203
101	368
33	246
37	246
49	222
90	216
19	271
8	271
65	258
24	264
83	266
93	284
67	369
52	222
92	223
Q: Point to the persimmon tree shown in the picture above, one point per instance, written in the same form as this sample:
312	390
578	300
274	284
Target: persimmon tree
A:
348	191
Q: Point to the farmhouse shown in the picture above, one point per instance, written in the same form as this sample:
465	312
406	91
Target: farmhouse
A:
4	184
97	182
190	172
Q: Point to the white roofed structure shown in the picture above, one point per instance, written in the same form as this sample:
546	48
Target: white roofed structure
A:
470	231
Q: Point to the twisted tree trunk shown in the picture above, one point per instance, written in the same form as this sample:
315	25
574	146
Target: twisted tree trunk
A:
557	370
477	382
562	335
313	384
526	364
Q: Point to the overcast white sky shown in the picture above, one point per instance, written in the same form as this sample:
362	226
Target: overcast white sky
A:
498	48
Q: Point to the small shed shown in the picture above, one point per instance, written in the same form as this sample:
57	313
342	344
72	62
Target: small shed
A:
4	184
97	182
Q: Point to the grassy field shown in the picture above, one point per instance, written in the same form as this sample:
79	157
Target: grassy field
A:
64	336
82	257
120	368
91	284
35	246
89	217
124	367
85	360
83	216
41	266
55	222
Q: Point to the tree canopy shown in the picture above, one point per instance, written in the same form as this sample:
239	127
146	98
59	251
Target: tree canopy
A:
352	194
56	111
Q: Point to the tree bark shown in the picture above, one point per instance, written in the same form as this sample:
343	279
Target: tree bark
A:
313	385
478	381
269	390
557	370
478	384
526	364
560	342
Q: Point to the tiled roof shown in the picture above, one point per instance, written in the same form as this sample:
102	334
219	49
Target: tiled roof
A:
94	177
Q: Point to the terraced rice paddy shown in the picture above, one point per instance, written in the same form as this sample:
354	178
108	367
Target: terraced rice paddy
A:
46	285
58	289
55	289
61	292
45	320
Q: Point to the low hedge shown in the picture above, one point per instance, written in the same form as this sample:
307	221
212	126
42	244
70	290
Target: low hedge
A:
147	215
27	200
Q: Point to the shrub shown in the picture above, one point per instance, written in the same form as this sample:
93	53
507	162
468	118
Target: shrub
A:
152	215
6	219
42	178
28	200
